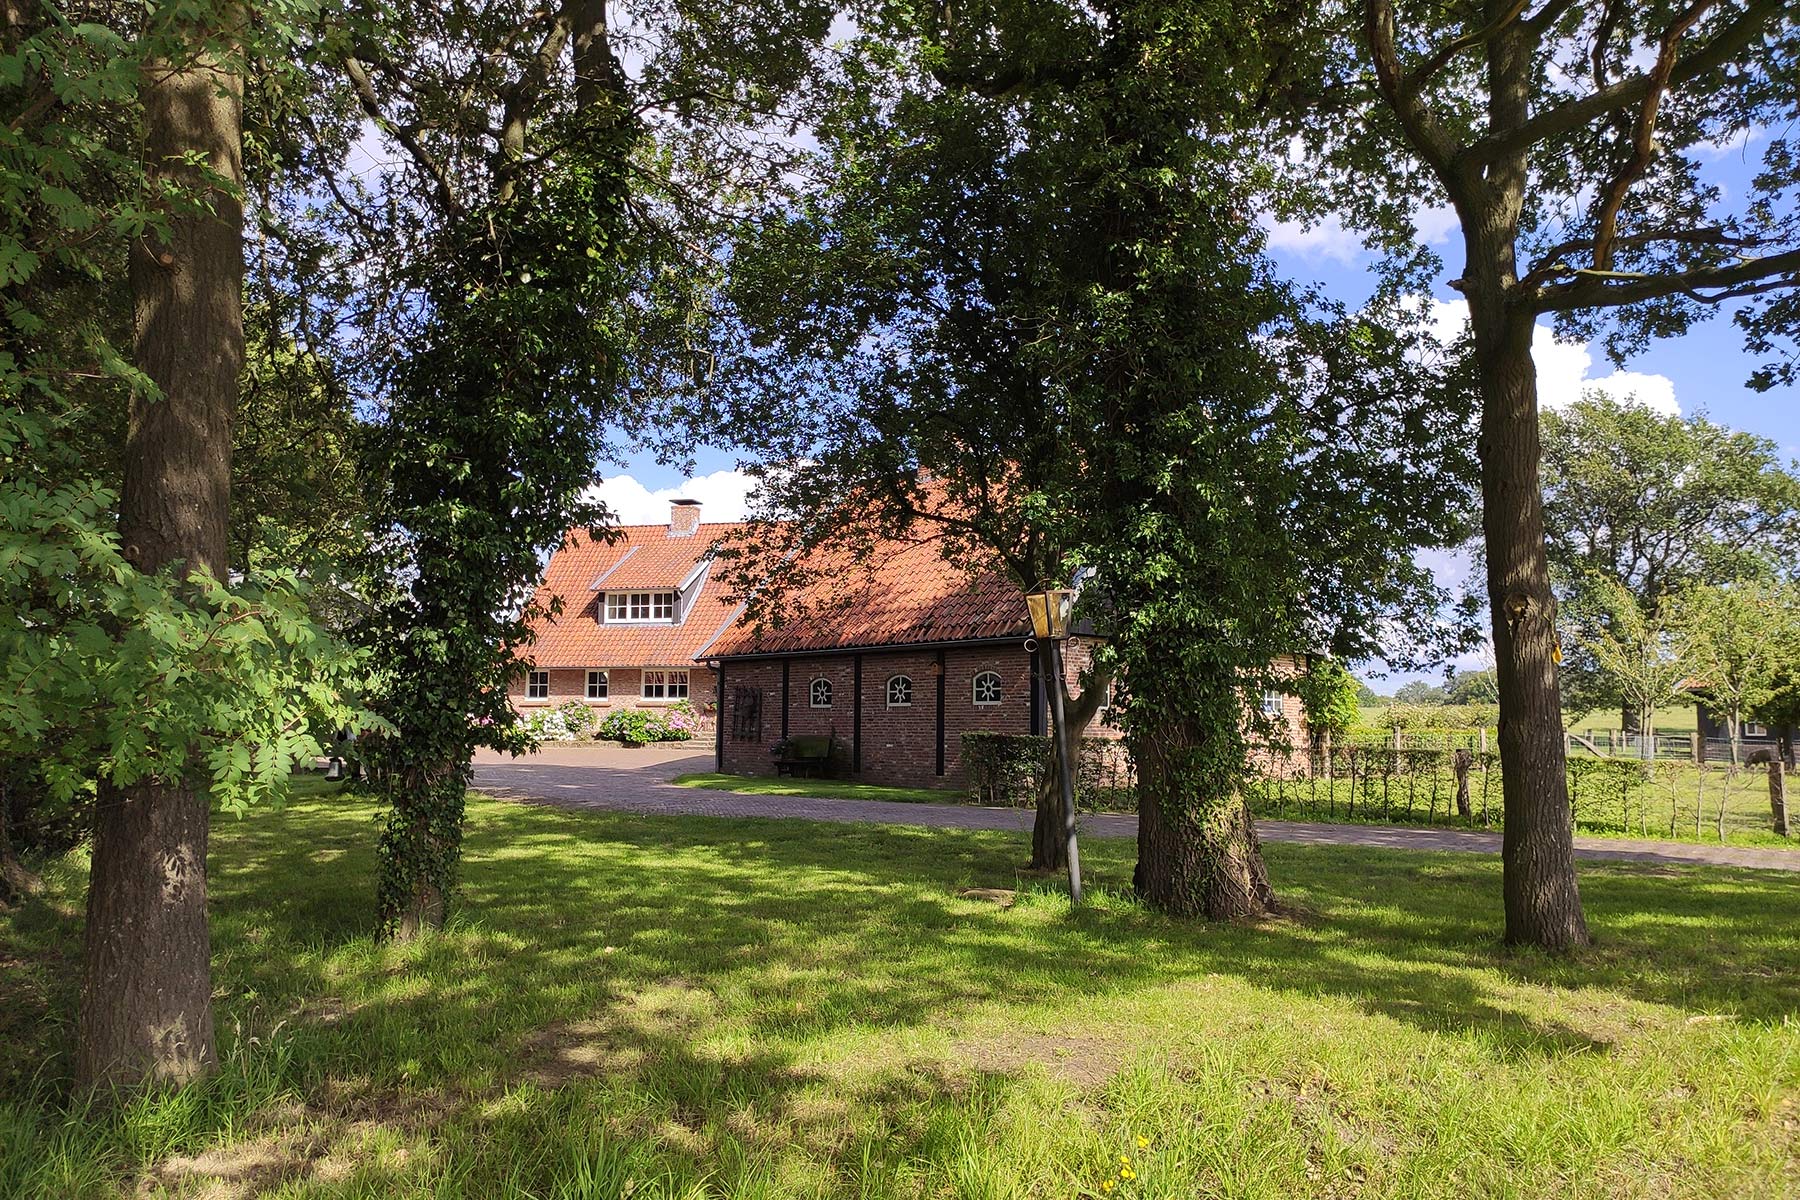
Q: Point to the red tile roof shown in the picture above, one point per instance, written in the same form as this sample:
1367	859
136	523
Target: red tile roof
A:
647	557
905	595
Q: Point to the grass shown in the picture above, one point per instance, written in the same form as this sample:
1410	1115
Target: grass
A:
653	1007
827	789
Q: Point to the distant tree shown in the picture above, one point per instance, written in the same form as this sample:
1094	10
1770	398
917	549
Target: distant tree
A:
1569	139
1420	693
1472	687
1743	636
1646	655
1367	695
1655	502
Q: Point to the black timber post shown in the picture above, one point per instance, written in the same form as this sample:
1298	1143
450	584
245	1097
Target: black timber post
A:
785	664
856	715
940	712
719	723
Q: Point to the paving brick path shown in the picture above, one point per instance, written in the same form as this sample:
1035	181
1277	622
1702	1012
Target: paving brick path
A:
619	780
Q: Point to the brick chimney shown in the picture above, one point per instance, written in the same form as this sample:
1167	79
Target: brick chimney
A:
684	518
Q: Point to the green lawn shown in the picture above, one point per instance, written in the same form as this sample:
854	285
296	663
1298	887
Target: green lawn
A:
646	1007
830	789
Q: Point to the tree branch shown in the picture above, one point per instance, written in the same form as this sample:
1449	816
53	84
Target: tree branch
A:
1643	134
371	104
1574	114
1419	76
1428	136
1609	289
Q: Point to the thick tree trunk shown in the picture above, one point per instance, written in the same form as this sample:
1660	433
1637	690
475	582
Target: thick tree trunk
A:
146	1005
1198	854
1543	903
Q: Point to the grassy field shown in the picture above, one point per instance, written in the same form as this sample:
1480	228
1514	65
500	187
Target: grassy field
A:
652	1007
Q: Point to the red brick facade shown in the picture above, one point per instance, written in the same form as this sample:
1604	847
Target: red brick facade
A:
885	743
624	689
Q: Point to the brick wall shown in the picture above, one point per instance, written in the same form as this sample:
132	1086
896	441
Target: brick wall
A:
625	686
899	744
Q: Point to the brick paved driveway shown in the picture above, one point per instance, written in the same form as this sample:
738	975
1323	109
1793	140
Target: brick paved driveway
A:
614	779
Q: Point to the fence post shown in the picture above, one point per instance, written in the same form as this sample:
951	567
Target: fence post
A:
1482	733
1697	747
1463	760
1778	794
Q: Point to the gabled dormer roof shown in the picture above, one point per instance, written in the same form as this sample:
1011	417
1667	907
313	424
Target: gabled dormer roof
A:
643	558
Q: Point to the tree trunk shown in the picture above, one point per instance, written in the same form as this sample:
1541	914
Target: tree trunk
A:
1049	849
1778	808
1198	854
1462	760
1543	902
419	848
146	1004
15	881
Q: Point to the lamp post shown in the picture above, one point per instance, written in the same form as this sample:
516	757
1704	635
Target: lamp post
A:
1050	608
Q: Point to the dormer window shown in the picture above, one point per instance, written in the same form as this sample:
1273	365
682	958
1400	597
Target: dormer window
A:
640	606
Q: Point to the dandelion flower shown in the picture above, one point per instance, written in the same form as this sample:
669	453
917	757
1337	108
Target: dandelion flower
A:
1106	1185
1143	1142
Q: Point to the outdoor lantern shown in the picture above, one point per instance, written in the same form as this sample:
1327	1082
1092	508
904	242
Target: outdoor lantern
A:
1050	611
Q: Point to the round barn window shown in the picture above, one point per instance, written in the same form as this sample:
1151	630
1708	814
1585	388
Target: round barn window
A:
899	692
820	693
987	688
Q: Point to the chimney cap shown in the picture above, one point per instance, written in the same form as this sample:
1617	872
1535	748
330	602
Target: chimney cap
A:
695	503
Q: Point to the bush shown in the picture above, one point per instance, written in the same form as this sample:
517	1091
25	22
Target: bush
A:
572	721
678	723
630	727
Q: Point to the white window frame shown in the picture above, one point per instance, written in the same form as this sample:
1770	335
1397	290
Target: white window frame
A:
598	677
999	694
641	608
906	682
812	692
537	685
668	683
1274	704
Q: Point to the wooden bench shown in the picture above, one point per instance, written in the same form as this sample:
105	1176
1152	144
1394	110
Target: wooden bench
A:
804	754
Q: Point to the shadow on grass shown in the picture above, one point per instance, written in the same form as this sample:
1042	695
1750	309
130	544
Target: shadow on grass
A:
616	981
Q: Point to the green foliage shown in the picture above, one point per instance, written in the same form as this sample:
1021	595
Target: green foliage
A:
113	676
1422	718
1013	768
1330	696
630	727
1644	657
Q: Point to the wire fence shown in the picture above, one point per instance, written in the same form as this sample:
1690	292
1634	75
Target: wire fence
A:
1462	788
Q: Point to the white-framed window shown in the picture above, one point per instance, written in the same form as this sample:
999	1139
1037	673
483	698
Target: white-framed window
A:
899	692
665	685
1753	730
818	692
537	686
987	688
640	606
596	685
1274	704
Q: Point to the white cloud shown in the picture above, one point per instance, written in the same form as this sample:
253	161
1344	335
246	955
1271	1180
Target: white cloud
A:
1326	238
1563	367
723	496
1436	223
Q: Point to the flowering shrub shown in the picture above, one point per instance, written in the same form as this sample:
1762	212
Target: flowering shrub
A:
570	722
630	727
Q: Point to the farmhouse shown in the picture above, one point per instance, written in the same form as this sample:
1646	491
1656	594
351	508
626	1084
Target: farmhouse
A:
892	661
633	614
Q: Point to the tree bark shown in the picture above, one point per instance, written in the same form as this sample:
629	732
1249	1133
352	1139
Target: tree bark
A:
1198	854
146	1005
1543	902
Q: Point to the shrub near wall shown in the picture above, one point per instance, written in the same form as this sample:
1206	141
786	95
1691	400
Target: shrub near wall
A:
1008	768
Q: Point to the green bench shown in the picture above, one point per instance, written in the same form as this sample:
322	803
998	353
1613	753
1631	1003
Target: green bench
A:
804	754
